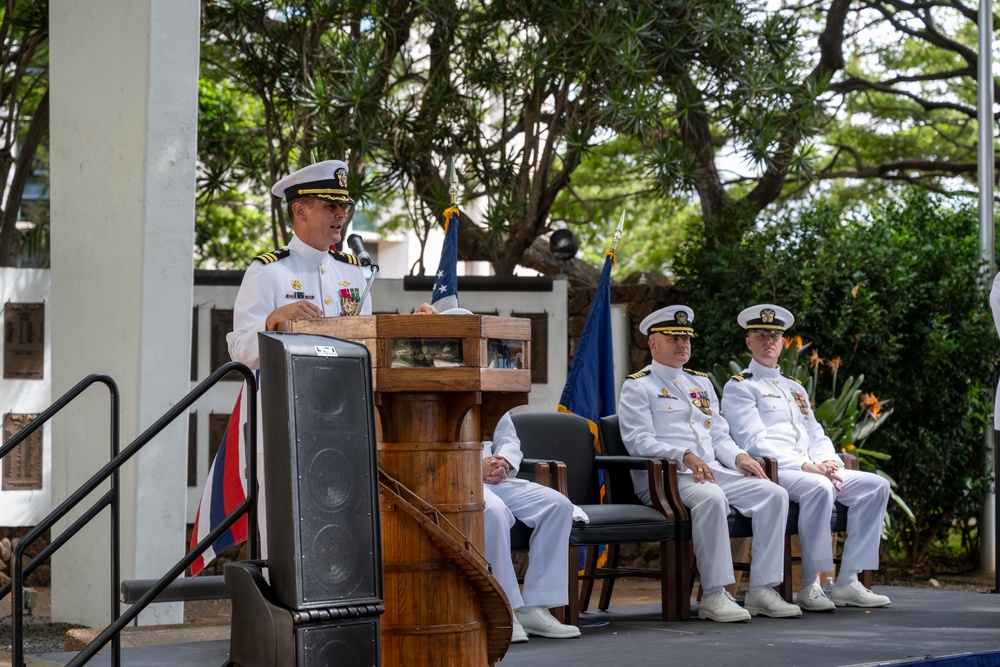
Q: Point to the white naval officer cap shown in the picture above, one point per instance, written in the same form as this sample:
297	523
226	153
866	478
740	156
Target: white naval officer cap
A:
765	317
326	180
672	321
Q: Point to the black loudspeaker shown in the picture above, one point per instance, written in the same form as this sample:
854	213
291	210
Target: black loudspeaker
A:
324	542
350	642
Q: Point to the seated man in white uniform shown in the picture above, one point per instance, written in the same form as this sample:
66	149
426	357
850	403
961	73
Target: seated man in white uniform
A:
667	411
549	514
769	415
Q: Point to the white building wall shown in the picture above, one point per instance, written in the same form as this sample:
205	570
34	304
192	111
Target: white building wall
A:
18	396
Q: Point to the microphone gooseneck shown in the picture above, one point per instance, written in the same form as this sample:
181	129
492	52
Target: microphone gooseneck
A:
357	246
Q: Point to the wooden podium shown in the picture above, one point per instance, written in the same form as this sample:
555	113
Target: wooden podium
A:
441	384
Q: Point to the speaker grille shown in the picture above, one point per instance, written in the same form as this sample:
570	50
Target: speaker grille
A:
350	644
334	451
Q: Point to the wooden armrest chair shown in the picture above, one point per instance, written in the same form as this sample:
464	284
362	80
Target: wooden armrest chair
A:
567	439
740	526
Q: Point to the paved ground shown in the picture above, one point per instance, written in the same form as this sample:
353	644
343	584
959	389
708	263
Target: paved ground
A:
943	616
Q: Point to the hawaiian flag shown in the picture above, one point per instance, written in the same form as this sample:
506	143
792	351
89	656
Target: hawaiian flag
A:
446	279
590	387
224	490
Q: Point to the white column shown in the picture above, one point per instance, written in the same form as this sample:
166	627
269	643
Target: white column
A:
123	146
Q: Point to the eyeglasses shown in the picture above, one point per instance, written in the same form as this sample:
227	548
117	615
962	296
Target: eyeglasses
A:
767	335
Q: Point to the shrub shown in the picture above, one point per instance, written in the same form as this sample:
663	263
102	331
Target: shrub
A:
898	293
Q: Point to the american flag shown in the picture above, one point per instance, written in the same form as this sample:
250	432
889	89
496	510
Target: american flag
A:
446	279
224	490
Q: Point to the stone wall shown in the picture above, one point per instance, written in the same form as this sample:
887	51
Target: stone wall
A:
9	539
642	293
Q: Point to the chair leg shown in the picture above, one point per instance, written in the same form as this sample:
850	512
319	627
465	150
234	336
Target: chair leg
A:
609	582
669	592
785	588
588	581
685	578
572	614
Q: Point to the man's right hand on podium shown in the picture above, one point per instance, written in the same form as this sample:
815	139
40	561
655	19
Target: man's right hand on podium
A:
297	310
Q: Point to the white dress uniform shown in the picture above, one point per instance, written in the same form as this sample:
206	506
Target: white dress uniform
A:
331	280
769	415
545	510
665	411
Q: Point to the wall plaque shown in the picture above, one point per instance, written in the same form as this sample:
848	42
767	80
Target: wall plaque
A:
23	341
217	423
22	468
539	346
221	325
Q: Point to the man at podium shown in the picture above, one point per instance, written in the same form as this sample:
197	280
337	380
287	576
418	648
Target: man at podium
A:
306	279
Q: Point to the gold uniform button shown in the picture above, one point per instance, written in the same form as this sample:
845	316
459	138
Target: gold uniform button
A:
322	270
700	441
692	421
327	301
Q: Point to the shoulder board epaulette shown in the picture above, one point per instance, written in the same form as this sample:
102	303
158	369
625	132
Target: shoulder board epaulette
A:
272	256
694	372
793	379
347	258
742	376
640	374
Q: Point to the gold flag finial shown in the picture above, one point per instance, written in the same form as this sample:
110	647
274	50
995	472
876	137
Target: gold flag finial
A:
618	232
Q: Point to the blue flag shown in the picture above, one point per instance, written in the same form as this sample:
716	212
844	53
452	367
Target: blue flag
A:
590	386
446	279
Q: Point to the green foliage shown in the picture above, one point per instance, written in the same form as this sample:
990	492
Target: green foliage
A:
609	181
230	231
898	294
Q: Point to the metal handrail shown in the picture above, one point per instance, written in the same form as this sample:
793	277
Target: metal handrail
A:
16	584
112	632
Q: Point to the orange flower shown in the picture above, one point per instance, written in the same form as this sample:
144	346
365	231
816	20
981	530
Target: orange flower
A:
788	341
850	448
815	359
835	363
871	405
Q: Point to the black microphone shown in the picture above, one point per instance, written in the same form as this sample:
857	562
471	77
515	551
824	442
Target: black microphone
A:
357	246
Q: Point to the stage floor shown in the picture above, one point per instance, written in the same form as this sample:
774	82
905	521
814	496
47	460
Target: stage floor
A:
920	624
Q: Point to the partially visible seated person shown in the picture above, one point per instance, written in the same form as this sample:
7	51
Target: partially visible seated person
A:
769	415
549	514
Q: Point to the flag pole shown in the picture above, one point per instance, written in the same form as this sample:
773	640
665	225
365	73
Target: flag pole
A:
618	233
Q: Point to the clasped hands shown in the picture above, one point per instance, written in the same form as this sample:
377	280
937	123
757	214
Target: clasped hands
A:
745	463
495	469
828	469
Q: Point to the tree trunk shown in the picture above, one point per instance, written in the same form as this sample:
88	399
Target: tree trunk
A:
10	239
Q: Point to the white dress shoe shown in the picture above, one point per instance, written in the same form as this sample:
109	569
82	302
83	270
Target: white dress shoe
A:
722	608
811	598
541	623
518	635
766	601
856	595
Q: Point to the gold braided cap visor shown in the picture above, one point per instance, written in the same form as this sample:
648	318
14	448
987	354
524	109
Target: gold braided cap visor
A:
672	330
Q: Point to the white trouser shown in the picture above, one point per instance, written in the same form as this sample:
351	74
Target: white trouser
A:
550	515
865	493
763	501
